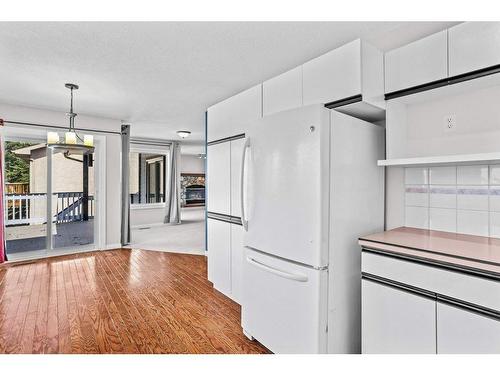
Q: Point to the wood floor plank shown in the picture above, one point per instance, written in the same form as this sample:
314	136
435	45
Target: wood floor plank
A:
117	301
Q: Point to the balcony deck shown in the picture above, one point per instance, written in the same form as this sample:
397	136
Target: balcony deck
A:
26	238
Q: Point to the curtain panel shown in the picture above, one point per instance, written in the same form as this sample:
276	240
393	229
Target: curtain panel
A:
3	255
173	203
125	219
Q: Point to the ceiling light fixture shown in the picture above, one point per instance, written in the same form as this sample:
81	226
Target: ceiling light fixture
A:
71	138
183	133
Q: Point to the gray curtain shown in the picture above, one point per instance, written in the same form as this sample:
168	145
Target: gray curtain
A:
125	222
173	193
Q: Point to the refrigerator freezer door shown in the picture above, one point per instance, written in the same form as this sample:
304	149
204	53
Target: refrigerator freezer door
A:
284	305
287	185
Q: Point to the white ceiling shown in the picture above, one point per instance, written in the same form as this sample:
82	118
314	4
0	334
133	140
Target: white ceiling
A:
161	76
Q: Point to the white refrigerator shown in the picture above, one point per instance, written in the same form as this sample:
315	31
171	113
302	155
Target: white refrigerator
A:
310	188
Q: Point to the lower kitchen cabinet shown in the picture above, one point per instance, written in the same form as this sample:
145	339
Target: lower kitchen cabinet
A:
219	255
462	331
396	321
225	257
236	261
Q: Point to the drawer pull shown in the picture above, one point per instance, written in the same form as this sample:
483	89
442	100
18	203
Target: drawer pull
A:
276	271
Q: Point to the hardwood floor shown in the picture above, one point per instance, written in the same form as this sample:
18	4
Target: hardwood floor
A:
117	301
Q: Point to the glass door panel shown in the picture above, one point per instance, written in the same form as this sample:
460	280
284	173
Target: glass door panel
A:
73	200
25	190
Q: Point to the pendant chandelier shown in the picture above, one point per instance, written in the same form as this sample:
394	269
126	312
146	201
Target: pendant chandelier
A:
73	143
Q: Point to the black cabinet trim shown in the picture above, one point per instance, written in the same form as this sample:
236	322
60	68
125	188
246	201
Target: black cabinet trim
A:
227	139
443	82
469	307
345	101
458	303
398	285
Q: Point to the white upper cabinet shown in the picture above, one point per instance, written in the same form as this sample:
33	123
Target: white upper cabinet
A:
473	46
219	178
282	92
229	117
417	63
353	69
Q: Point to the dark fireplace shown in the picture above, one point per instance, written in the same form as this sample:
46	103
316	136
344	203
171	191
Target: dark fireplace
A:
195	194
192	189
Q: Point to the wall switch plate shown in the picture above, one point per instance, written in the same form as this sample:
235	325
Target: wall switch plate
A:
450	123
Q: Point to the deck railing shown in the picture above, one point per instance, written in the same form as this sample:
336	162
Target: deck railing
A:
27	209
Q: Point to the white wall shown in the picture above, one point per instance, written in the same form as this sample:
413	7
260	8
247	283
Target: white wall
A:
192	164
113	155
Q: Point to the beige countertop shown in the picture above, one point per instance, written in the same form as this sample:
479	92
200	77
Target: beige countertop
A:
462	250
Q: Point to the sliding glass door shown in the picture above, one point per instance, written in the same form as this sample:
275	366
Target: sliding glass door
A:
25	189
73	205
50	200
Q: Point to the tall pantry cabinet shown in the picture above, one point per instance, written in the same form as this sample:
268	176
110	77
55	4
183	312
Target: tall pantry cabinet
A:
226	125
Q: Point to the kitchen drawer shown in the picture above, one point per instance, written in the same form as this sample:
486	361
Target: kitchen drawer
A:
477	290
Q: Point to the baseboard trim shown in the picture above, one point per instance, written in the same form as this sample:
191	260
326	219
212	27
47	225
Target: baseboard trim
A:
113	246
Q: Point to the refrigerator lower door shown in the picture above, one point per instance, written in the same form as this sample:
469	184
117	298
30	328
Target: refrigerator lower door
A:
284	304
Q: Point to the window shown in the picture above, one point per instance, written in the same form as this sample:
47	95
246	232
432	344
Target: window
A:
147	178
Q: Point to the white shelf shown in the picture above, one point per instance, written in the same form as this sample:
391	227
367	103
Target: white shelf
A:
486	158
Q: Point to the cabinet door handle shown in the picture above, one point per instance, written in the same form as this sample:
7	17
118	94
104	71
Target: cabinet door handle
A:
244	220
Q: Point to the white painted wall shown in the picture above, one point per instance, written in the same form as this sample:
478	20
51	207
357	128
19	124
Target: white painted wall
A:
192	164
113	155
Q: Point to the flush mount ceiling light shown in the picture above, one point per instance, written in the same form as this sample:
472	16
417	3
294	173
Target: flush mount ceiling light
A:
73	143
183	133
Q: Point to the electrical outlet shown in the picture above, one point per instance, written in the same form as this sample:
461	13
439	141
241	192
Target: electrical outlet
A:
450	123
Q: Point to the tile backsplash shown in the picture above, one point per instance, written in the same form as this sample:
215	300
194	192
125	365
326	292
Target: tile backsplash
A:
461	199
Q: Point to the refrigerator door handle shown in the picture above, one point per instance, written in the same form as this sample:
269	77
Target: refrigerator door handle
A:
278	272
244	220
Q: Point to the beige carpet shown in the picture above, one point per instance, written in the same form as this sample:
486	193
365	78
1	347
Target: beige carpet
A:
187	237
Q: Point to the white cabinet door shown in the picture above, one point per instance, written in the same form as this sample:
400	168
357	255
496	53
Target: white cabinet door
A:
396	321
236	158
237	250
219	255
473	45
333	76
230	117
219	178
282	92
461	331
420	62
